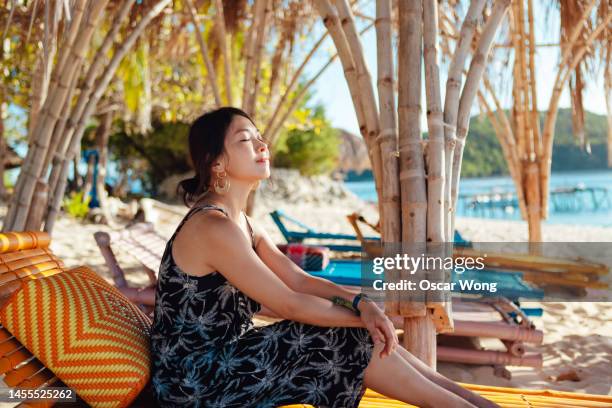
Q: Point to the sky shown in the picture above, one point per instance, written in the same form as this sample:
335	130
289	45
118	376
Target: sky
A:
332	91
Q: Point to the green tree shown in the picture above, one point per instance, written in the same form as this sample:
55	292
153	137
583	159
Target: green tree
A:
311	145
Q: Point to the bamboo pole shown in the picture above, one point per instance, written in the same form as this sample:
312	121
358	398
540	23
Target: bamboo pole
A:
249	54
65	129
435	168
435	164
102	84
259	51
273	132
391	228
77	13
332	23
3	147
44	127
451	101
469	91
366	92
411	161
270	136
210	68
553	108
220	21
44	67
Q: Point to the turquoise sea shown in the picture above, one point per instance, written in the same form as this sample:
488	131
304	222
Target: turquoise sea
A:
590	204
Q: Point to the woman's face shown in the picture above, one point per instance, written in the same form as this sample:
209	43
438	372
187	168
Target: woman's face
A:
247	156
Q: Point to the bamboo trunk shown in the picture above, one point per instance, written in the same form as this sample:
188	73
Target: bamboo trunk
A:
68	125
210	68
259	51
391	228
332	23
44	67
421	341
565	68
435	145
469	91
417	318
37	209
32	169
608	91
269	134
259	7
18	203
3	152
3	147
411	158
220	22
102	136
101	87
366	92
451	102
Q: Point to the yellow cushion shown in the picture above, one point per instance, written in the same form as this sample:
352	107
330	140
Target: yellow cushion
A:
84	330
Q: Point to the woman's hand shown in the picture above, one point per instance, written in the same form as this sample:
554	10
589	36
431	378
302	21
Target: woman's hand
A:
378	324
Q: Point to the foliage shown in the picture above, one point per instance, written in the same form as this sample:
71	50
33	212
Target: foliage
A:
160	153
75	206
309	145
483	155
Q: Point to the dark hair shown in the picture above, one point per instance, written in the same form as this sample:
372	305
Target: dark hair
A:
206	144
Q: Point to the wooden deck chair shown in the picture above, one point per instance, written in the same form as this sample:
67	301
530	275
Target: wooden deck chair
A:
539	270
147	246
281	219
26	256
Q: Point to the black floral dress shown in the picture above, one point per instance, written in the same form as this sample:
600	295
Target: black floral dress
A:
207	353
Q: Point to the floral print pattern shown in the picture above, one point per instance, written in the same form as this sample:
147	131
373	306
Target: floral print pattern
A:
207	353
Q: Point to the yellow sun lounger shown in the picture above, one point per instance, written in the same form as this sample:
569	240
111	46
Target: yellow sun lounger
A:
505	397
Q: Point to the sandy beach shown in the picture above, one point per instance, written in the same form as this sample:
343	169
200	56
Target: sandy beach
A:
577	336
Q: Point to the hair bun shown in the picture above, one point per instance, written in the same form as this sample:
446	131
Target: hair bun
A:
190	185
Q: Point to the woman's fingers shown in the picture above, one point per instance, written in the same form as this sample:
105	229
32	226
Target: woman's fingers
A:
376	335
389	336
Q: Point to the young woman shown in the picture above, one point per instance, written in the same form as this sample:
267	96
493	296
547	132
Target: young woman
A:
219	268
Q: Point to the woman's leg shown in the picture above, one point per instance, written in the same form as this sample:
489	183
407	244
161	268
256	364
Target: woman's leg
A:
444	382
394	377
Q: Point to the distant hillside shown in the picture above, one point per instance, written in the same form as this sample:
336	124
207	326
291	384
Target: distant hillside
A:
483	155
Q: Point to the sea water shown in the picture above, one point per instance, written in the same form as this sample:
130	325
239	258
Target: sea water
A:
587	178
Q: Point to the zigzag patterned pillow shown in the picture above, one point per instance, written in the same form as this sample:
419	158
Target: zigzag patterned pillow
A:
87	332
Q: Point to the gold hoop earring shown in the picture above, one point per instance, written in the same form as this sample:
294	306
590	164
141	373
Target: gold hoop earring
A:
222	189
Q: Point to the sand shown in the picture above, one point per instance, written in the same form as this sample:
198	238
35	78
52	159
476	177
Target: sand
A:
577	336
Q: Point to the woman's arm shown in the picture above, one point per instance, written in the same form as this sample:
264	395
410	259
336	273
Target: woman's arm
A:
225	248
294	276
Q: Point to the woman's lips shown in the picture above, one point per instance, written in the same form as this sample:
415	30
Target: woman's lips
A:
263	160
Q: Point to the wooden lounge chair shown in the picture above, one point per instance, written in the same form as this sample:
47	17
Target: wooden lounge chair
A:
292	235
539	270
26	255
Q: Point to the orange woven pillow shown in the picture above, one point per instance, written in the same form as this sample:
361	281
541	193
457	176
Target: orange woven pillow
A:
86	332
